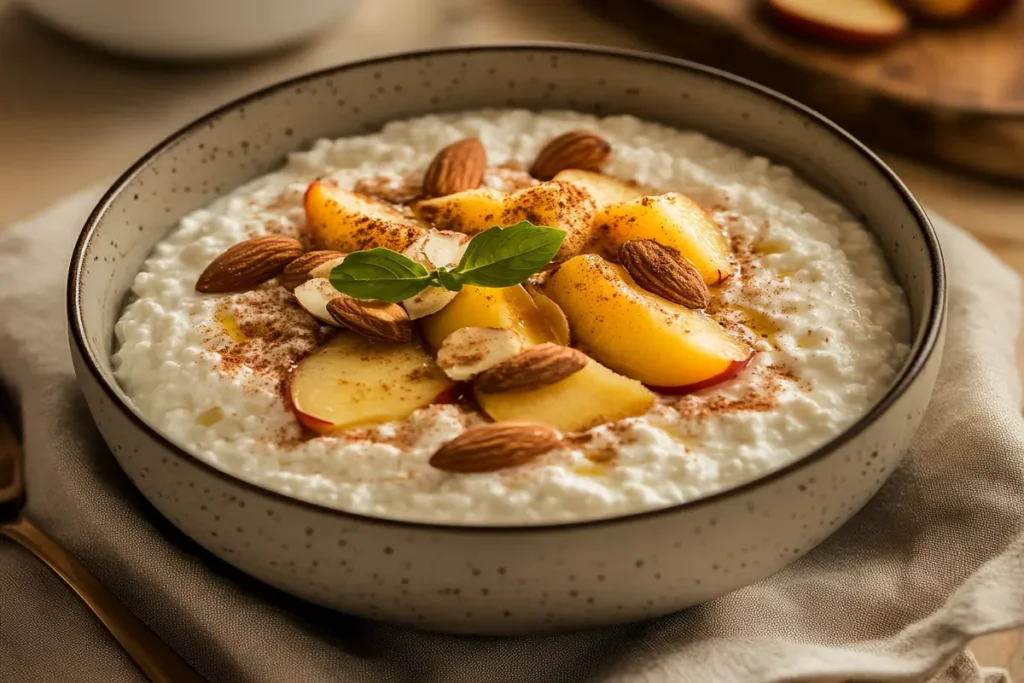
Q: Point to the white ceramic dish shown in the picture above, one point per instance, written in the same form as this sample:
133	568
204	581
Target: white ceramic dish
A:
513	579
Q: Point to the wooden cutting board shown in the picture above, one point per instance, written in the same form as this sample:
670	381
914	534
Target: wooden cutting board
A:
954	95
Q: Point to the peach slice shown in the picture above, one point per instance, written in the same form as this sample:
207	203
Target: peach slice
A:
585	399
855	23
639	334
555	204
352	381
674	220
603	189
470	211
348	221
474	306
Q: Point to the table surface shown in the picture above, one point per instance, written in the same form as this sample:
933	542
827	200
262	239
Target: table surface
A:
71	117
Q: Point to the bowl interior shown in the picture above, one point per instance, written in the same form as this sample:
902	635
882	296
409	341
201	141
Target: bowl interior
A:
252	136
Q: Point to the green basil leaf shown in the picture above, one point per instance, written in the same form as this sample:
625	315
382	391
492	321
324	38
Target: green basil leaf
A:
502	257
380	274
449	280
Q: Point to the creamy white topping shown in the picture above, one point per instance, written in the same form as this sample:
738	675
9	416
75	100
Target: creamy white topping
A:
814	296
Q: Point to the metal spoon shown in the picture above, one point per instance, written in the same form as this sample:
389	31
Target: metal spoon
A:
157	661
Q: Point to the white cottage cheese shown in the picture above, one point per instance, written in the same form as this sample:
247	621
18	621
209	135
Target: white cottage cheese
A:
815	298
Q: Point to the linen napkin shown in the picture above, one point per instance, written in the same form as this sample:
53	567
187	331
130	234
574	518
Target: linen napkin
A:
934	560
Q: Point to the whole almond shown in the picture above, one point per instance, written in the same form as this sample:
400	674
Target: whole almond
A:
579	149
492	447
532	368
378	320
459	166
663	271
298	271
248	264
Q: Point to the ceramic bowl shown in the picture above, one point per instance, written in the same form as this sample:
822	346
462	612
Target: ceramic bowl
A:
484	580
189	29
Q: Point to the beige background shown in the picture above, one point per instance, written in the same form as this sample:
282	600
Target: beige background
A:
71	117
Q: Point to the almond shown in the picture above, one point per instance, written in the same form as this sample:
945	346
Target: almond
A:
459	166
298	271
379	320
492	447
248	264
578	149
536	367
663	271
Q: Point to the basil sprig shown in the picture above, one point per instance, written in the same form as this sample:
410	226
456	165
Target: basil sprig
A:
499	257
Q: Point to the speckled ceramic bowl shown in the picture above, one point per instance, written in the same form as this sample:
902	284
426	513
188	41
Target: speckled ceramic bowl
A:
501	580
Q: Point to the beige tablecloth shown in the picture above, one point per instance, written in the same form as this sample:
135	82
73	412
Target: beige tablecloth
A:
934	560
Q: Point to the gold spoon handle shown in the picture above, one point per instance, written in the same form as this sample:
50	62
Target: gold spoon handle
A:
158	662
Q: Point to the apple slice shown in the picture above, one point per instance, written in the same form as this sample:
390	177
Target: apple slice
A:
948	11
603	189
348	221
469	351
352	382
585	399
854	23
314	295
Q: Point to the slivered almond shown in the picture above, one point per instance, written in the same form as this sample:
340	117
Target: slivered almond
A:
578	149
378	320
663	271
459	166
298	271
497	446
533	368
248	264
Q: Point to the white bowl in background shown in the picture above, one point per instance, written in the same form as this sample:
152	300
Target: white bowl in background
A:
189	29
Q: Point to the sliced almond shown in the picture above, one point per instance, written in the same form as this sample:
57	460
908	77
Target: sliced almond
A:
248	264
459	166
379	320
314	295
468	351
438	248
554	314
497	446
536	367
428	302
578	149
664	271
325	268
299	270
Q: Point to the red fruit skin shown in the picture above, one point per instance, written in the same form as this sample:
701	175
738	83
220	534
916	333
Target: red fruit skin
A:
978	11
456	393
831	35
684	389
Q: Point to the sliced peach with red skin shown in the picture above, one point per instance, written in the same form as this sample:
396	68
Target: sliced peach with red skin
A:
352	381
957	11
851	23
676	221
349	221
639	334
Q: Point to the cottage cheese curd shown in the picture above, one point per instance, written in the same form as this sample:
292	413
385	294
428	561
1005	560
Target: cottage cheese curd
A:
813	296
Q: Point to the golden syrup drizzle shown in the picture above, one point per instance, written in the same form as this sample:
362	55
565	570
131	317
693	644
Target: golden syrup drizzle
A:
210	417
594	470
230	326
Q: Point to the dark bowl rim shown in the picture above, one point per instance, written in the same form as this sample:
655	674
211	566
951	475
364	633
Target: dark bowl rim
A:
933	322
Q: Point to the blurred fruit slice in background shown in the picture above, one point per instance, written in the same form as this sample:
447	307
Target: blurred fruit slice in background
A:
852	23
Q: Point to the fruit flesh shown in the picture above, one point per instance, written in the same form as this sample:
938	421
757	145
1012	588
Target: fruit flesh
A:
856	23
352	382
673	220
590	397
556	205
347	221
639	334
603	189
509	307
469	212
